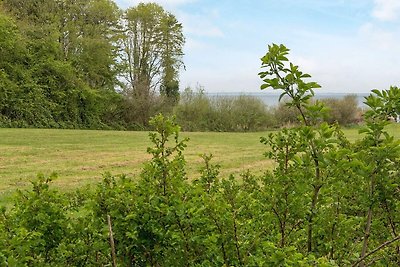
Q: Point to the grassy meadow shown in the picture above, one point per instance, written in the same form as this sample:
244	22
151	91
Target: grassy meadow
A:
80	157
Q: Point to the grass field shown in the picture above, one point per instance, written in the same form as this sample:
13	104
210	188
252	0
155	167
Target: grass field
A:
80	157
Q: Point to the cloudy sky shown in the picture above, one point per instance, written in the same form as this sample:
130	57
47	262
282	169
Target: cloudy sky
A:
348	46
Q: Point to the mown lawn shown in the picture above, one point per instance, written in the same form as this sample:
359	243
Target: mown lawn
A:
80	157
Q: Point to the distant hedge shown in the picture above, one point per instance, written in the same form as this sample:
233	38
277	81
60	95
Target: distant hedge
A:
197	111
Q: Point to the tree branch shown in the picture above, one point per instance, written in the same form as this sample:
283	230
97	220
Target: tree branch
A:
376	250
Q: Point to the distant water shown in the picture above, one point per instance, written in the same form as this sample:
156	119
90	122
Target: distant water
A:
271	99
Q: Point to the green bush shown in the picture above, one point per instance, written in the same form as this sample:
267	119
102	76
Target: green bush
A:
198	112
285	115
344	111
194	111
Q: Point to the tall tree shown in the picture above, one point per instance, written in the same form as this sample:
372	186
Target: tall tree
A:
22	100
152	50
88	37
72	63
173	41
81	32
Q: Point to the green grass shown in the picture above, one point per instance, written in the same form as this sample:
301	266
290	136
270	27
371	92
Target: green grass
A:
80	157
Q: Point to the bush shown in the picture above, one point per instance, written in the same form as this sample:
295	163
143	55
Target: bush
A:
194	111
159	219
344	111
137	108
285	115
198	112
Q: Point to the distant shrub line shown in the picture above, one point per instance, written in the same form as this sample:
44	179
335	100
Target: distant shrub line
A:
197	111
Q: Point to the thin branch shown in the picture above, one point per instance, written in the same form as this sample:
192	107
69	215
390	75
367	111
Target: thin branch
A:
114	258
376	250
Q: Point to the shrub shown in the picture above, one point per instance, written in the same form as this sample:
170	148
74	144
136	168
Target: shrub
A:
161	219
194	111
285	115
198	112
344	111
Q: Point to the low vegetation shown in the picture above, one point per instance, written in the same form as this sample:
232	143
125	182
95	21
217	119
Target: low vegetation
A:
197	111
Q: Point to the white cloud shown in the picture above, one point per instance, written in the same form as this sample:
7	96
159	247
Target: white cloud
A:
200	24
386	10
377	37
306	64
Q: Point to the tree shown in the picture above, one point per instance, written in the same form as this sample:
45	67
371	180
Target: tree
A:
66	58
152	50
317	139
88	35
22	100
172	44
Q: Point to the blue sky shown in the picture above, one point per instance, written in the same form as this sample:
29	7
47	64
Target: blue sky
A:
350	46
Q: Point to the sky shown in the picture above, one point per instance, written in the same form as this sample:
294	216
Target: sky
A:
347	46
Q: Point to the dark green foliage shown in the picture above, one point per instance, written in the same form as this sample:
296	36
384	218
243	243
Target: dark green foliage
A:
51	76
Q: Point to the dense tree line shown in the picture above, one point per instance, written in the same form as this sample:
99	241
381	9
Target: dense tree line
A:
326	202
86	63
